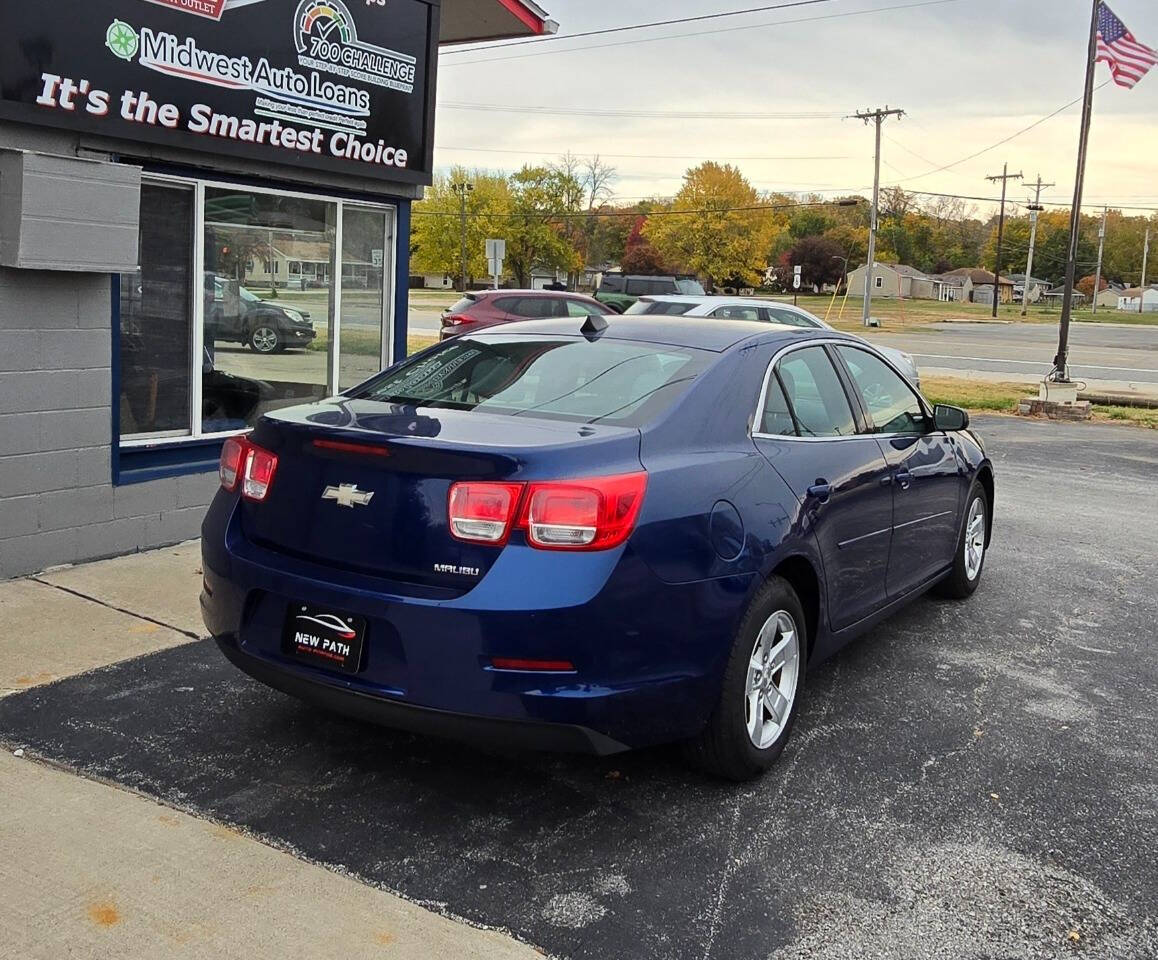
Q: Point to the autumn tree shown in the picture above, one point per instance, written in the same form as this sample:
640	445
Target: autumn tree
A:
717	227
820	258
639	255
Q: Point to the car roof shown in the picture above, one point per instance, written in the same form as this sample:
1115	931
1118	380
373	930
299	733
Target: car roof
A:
720	301
547	294
700	333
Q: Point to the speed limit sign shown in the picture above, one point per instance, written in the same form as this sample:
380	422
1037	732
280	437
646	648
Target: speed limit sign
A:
796	279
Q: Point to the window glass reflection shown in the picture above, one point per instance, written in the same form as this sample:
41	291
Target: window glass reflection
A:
269	268
364	246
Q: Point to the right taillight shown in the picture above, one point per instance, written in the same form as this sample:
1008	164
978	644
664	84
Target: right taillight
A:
593	514
232	462
482	512
597	513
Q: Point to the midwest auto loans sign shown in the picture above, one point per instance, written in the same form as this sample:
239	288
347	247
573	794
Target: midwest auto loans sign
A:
320	84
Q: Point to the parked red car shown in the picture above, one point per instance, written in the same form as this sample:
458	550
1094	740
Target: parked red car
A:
486	308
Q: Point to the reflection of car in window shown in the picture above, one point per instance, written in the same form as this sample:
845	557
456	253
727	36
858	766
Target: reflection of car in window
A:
237	315
229	402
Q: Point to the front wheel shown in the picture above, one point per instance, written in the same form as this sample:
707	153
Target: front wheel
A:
969	558
264	339
761	691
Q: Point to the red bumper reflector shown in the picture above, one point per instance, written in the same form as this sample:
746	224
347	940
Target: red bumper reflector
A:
532	666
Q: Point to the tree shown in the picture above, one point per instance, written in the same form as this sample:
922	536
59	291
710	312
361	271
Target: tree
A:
536	233
1086	285
436	239
717	227
852	241
639	256
820	259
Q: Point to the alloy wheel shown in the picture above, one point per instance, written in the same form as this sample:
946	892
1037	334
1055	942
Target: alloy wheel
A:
264	339
773	675
975	539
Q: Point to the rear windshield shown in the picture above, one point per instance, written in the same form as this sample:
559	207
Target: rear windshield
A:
464	304
658	308
559	378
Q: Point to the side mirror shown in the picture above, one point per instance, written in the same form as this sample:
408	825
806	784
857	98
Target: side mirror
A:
950	419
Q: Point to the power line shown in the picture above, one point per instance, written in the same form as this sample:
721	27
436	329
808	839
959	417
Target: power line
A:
634	156
636	26
994	146
704	33
611	214
633	114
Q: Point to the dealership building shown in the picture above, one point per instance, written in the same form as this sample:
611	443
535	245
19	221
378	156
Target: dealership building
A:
204	215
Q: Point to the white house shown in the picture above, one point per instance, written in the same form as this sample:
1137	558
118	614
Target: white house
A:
1128	300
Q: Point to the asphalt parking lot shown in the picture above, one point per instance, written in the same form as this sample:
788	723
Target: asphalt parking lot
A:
972	780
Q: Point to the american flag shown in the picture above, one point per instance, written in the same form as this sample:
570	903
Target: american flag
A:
1128	59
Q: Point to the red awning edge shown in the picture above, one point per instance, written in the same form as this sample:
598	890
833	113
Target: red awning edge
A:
532	16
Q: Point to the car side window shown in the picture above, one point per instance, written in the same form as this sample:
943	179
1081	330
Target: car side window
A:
891	403
507	304
532	307
776	419
638	288
815	393
788	318
737	313
577	309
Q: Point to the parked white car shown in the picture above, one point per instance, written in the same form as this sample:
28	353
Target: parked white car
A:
762	311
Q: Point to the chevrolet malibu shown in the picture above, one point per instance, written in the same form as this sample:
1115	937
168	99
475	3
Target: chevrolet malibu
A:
593	534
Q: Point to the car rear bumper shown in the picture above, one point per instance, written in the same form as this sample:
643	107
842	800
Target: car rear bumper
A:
485	731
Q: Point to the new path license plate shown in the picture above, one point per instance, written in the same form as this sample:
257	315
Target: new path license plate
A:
324	638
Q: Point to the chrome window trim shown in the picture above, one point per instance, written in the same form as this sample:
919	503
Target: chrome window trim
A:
818	341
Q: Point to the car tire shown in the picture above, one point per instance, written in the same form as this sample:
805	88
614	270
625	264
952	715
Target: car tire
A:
972	545
732	746
265	339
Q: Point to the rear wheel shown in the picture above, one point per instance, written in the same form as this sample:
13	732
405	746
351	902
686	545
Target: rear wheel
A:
761	691
969	559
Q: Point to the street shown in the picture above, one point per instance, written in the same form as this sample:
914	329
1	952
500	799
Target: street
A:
970	780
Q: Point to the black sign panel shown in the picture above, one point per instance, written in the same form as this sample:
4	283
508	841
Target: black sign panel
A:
342	85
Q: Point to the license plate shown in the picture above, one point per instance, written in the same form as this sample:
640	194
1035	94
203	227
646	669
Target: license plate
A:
324	638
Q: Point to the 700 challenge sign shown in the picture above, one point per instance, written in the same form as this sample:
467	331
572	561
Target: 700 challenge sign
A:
292	81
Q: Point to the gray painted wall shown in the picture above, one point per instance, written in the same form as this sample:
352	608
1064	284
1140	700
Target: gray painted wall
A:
57	502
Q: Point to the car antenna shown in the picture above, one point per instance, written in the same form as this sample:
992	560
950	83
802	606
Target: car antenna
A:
593	326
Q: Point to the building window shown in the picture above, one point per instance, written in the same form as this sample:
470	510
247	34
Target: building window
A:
203	358
880	282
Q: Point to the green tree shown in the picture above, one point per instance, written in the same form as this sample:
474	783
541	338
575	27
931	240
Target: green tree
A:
536	232
717	227
436	239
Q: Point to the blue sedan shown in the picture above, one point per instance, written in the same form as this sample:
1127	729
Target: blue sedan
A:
592	534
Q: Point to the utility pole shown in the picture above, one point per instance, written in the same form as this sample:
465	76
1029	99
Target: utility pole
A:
1101	250
463	189
878	117
1145	257
1004	177
1034	209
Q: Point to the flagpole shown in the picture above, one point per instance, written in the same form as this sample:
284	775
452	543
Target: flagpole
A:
1061	361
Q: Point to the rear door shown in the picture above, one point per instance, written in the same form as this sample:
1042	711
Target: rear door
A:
810	434
923	464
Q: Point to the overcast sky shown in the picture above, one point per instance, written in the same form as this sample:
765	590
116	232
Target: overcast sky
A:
968	72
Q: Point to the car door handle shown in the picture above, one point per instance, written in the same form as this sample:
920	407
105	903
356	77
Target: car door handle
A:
903	478
821	491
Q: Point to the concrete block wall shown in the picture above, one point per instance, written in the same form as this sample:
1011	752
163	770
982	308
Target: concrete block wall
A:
57	501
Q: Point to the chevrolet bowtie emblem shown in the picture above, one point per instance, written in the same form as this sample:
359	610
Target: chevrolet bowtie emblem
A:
348	495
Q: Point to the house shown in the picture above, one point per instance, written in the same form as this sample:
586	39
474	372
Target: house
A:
1128	299
1037	287
979	287
953	289
1055	296
1110	296
893	280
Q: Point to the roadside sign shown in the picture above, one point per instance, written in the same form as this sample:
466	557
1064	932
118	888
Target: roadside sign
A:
497	250
796	281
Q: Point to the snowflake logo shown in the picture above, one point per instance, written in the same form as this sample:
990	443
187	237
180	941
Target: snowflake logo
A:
122	40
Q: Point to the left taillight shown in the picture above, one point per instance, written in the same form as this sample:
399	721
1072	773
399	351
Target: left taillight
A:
232	462
257	478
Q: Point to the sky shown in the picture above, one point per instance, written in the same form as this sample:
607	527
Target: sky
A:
968	73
